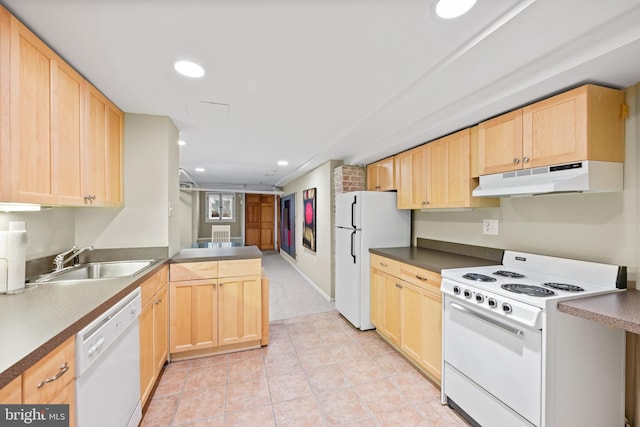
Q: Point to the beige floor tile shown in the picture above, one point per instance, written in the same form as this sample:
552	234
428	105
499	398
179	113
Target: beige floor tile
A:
160	411
298	413
247	395
381	396
315	357
198	404
246	369
406	416
362	371
282	363
327	379
289	386
317	371
342	406
413	386
172	381
258	417
210	376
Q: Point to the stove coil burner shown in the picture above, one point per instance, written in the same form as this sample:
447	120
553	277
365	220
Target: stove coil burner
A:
563	287
510	274
478	277
531	290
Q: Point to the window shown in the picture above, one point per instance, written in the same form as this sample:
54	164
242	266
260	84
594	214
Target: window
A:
220	207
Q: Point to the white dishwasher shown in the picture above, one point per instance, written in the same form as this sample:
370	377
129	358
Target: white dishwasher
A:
108	367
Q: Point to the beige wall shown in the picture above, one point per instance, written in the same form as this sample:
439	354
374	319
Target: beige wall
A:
49	232
204	229
597	227
317	266
151	189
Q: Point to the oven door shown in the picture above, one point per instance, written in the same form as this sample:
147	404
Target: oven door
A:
494	360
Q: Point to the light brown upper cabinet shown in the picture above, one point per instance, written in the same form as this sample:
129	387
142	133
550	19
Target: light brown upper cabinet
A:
586	123
411	178
381	175
45	123
438	174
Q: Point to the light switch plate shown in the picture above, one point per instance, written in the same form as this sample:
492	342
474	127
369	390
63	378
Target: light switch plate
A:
490	227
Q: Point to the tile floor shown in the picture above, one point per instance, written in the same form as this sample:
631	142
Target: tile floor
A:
317	371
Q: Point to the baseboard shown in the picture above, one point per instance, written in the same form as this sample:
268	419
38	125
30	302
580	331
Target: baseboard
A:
305	277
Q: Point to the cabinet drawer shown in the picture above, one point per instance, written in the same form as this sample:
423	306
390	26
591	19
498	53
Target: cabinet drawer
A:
420	277
193	270
387	265
239	267
153	284
44	380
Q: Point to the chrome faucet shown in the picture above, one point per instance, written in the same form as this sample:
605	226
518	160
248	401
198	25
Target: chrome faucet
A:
60	259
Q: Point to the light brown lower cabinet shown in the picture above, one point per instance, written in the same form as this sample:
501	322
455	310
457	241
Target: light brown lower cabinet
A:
11	393
154	330
50	380
215	309
406	308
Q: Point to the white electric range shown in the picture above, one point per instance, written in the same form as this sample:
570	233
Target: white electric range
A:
510	358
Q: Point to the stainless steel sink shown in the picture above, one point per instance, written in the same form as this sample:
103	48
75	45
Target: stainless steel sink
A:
95	270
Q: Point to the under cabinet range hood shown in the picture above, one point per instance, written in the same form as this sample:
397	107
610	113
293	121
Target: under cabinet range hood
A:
577	177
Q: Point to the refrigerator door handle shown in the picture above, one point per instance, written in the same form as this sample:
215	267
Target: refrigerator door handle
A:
353	235
353	207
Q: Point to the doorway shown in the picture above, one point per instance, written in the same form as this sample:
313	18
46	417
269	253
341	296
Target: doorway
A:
260	221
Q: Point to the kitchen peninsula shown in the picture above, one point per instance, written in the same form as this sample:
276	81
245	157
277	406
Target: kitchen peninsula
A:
219	301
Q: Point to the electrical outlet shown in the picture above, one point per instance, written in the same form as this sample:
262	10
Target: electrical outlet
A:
490	227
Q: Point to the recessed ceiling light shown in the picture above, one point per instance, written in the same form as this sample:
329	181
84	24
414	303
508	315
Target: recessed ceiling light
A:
449	9
181	142
200	169
282	163
189	68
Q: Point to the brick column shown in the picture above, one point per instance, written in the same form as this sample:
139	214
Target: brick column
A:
349	178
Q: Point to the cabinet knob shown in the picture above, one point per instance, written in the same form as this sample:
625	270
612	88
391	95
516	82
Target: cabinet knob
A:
516	161
398	285
424	279
525	159
63	369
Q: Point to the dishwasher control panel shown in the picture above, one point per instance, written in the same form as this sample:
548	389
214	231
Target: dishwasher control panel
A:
99	335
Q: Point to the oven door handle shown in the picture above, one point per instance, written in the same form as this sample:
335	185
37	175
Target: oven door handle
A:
502	326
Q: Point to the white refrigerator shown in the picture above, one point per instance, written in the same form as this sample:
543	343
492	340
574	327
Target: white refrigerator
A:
364	219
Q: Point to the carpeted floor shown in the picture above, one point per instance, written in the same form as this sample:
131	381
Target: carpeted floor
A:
290	294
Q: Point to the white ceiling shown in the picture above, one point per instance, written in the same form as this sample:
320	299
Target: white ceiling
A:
313	80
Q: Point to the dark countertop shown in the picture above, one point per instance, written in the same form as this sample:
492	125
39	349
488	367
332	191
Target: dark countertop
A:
431	259
217	254
36	321
620	310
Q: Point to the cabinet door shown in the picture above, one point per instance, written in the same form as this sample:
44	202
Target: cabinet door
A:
412	323
377	298
411	178
392	308
145	323
114	156
240	311
94	150
386	174
30	117
404	180
193	313
500	143
67	115
449	182
555	129
160	329
432	333
11	393
372	177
